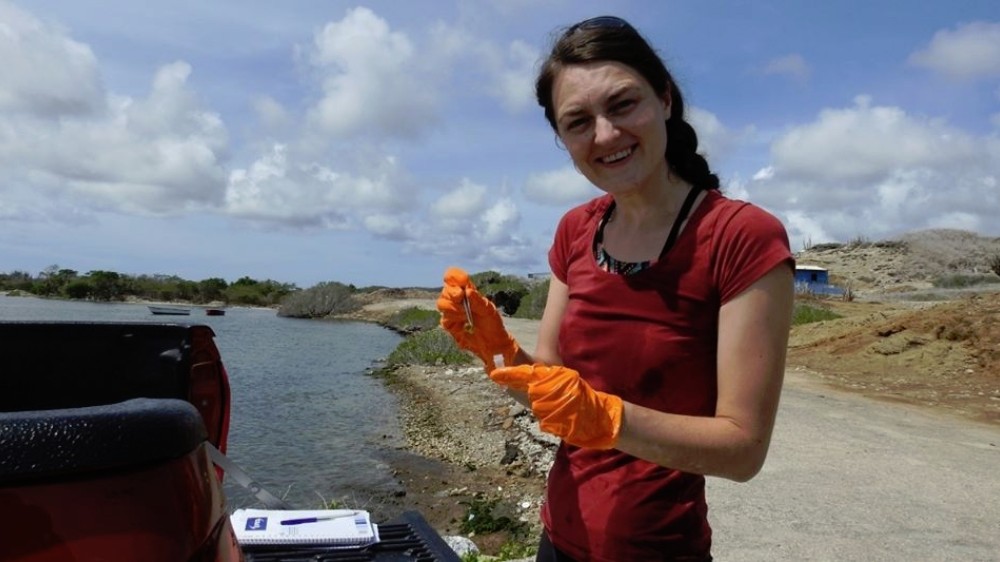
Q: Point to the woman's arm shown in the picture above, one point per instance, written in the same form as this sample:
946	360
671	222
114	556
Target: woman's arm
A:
547	345
753	338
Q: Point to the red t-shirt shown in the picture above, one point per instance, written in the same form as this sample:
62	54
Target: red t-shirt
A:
651	338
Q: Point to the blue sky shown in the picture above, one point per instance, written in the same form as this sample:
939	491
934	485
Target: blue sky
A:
377	143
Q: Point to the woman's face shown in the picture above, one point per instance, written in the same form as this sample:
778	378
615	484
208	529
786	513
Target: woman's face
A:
612	123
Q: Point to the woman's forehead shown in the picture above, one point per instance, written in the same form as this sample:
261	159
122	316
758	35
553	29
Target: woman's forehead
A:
577	83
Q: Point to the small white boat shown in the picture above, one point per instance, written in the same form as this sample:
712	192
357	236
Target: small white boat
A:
170	310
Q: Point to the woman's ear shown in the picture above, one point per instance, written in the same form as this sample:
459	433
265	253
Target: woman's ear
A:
665	99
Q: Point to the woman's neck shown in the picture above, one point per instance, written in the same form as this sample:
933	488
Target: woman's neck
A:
653	206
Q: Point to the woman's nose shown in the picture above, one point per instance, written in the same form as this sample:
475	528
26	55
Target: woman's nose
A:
604	129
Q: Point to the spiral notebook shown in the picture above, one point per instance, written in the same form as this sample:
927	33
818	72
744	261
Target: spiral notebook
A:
332	527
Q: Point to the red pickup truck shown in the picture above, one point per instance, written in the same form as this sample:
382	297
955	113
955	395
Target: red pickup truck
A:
106	437
104	430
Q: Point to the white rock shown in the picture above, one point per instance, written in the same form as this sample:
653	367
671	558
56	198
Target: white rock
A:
461	545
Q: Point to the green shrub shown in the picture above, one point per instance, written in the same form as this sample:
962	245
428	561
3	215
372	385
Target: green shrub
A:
533	304
506	291
413	319
319	301
806	313
428	347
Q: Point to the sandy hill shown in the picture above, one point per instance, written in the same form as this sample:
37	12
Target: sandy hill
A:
917	332
911	262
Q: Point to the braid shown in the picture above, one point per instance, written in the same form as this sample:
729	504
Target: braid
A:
682	147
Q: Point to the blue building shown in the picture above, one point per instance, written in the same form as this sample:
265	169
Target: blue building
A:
811	274
815	280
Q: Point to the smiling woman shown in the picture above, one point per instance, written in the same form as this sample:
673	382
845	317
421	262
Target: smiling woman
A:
660	354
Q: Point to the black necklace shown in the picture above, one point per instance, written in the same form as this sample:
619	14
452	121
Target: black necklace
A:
675	229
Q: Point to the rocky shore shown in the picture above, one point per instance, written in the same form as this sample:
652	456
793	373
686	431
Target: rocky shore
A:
466	443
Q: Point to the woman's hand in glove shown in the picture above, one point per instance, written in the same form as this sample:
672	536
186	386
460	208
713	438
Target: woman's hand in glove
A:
565	405
473	321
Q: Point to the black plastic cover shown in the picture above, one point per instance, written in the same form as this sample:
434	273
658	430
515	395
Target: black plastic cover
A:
74	442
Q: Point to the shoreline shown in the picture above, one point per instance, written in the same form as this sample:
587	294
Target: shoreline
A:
465	443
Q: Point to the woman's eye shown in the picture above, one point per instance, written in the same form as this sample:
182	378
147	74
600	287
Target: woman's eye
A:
576	124
621	106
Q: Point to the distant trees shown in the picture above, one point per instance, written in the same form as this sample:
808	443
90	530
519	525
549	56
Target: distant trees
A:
107	286
100	285
514	296
257	293
994	263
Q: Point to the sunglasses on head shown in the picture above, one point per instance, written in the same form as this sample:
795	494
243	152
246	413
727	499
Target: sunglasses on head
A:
600	22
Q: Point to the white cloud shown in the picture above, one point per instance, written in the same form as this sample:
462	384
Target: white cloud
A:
514	76
805	229
278	187
505	73
877	171
160	154
44	72
467	200
469	224
271	113
499	221
715	140
560	187
391	227
736	188
862	143
765	173
793	66
372	79
969	51
957	220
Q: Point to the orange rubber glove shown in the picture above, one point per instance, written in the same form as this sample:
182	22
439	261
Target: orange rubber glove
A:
486	336
565	405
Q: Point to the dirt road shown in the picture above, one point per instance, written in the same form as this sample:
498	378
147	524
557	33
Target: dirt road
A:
850	478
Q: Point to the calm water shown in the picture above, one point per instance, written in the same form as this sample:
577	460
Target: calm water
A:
307	422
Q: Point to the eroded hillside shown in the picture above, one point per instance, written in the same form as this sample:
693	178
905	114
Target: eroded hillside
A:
909	336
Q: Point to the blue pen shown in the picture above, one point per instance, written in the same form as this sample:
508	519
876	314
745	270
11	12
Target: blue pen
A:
316	519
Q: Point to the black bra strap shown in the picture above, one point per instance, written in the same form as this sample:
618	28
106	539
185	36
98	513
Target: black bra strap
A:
682	215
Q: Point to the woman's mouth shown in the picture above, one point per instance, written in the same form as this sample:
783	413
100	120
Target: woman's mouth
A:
617	157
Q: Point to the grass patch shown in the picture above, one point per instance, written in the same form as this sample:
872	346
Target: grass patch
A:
487	515
413	319
512	550
807	314
428	347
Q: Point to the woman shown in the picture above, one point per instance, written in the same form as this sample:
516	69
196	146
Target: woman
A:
661	350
